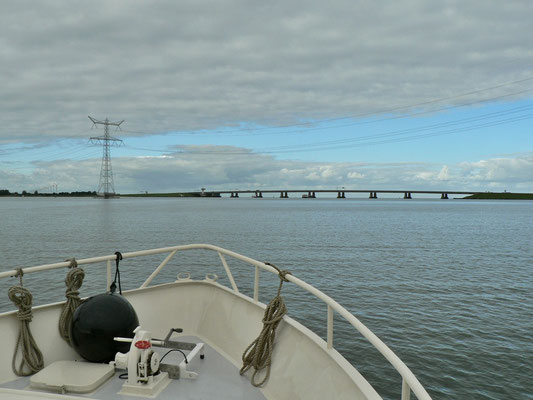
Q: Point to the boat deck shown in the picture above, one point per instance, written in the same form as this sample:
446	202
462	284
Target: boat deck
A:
217	379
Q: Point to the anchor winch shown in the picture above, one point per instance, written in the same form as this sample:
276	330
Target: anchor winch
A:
146	375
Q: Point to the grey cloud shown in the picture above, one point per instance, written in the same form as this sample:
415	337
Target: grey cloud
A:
166	65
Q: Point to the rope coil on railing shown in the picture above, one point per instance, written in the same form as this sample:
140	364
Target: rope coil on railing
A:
259	353
73	282
32	358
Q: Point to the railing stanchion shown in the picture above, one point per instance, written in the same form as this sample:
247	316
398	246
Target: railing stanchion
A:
228	272
108	276
156	271
256	284
330	327
406	390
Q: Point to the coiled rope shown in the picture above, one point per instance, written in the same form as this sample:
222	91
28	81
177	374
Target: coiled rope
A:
73	282
32	358
259	353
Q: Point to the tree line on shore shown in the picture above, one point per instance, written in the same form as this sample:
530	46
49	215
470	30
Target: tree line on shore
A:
24	193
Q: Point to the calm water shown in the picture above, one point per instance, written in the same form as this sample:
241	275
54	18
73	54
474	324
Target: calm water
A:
446	284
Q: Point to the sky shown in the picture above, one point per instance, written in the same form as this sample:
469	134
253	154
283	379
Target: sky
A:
244	94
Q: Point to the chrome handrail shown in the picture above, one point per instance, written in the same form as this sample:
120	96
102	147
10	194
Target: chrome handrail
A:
409	380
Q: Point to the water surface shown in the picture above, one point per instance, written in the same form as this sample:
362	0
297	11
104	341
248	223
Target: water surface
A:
445	283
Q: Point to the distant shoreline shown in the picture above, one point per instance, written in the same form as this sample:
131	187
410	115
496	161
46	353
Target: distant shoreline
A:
477	196
177	194
7	193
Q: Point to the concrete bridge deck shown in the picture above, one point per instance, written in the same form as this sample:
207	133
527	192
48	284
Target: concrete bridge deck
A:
341	193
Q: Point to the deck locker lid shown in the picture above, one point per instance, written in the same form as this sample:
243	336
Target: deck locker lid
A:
72	376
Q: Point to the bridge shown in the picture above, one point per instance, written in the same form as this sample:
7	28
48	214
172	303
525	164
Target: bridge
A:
341	193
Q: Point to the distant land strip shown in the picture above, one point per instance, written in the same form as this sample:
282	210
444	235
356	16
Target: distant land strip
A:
35	193
500	196
475	196
177	194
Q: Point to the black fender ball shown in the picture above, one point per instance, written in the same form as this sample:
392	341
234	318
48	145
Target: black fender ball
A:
97	321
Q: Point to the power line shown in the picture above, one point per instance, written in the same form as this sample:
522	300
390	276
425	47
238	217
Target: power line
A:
376	112
394	117
418	129
70	152
61	152
379	138
38	146
386	137
403	139
144	149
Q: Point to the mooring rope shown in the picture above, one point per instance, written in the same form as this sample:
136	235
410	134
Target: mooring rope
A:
73	282
259	353
113	285
32	358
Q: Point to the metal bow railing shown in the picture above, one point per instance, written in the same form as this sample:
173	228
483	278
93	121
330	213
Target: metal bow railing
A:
409	382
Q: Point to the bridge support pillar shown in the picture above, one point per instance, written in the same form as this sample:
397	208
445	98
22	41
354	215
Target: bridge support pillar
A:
407	195
313	195
341	195
284	195
444	196
373	195
258	194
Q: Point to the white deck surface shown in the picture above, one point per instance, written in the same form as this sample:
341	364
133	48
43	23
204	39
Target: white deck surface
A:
217	379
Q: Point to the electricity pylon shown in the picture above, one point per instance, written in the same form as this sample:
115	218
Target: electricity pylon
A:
106	188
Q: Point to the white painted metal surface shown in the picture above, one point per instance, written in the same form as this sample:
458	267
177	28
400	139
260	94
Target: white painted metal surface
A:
409	381
219	379
72	376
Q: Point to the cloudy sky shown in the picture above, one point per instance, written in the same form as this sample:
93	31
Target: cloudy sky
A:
246	94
